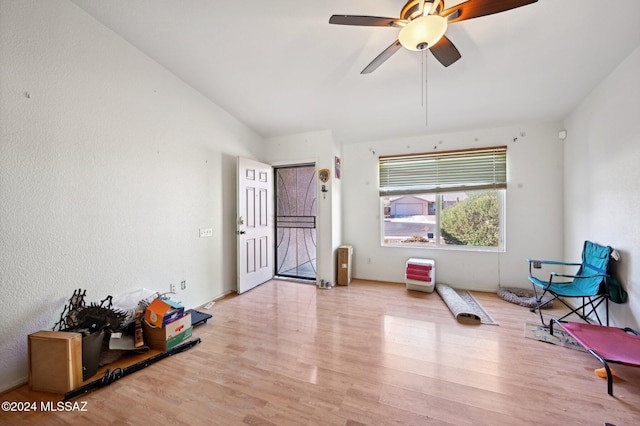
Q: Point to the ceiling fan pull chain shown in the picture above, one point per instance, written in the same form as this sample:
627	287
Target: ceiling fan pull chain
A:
422	80
425	84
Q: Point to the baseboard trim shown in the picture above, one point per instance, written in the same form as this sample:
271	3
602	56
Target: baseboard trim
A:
14	385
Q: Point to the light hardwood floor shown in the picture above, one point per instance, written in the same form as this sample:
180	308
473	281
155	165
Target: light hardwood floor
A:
371	353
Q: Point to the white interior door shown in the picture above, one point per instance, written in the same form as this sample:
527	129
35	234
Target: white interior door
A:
255	224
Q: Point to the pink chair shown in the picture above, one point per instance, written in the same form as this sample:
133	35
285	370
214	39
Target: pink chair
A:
607	344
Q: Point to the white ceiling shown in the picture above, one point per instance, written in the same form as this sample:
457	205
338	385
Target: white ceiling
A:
281	68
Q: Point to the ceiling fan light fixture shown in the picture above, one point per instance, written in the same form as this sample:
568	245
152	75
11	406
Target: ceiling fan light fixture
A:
423	32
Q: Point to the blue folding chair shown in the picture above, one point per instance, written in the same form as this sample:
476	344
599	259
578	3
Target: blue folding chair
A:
590	283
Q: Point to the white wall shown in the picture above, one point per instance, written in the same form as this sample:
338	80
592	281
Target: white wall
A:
601	178
108	166
319	147
533	206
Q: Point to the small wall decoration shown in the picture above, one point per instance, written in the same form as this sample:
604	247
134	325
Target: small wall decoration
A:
338	167
324	175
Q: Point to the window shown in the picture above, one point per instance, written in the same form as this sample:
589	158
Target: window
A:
444	199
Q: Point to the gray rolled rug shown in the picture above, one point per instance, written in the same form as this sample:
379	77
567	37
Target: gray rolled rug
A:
523	297
464	307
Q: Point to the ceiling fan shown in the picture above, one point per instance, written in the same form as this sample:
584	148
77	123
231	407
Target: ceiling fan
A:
423	24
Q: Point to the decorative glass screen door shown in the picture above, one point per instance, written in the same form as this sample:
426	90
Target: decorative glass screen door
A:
295	212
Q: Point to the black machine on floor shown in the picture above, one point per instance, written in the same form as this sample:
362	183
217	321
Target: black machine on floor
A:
198	317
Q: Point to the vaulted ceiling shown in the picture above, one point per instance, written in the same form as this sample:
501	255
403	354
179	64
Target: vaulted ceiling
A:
281	68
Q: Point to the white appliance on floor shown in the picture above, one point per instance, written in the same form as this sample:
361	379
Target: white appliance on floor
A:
420	274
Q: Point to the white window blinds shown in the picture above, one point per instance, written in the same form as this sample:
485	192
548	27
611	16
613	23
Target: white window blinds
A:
482	168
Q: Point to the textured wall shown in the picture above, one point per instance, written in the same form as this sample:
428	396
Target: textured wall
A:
602	174
533	207
109	165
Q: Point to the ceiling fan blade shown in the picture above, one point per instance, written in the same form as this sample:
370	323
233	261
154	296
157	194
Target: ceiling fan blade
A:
363	21
379	60
476	8
445	52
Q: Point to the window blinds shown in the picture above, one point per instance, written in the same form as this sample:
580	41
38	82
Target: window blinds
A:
482	168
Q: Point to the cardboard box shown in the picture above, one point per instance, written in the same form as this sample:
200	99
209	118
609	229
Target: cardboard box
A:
55	361
345	254
169	336
161	312
170	330
158	342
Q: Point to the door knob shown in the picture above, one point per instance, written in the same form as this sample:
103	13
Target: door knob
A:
240	232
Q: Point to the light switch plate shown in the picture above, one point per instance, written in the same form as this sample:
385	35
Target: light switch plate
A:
206	232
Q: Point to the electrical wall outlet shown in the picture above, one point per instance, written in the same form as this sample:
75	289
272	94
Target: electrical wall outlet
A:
183	285
206	232
172	288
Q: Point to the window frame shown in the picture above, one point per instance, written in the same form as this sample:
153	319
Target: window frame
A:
462	181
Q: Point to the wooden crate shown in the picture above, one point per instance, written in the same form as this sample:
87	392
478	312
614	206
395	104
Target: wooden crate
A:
55	361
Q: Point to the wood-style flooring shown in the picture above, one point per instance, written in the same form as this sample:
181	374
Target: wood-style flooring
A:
367	354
